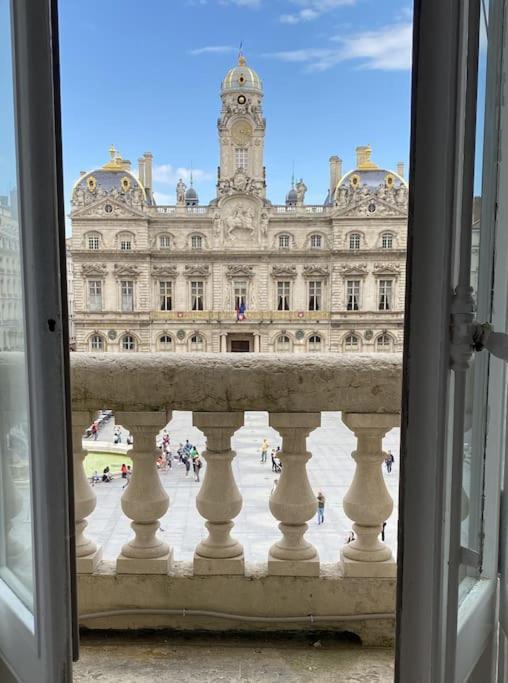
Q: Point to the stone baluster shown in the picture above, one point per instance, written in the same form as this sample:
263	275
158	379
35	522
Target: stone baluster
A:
144	500
293	501
367	502
219	501
85	500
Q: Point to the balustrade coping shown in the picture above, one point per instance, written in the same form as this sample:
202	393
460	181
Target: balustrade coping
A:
216	382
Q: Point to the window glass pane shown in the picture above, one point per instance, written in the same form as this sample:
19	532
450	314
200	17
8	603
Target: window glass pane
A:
15	485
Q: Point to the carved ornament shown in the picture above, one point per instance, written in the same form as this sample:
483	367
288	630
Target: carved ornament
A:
98	269
353	269
197	270
386	269
284	272
125	270
234	271
164	271
315	271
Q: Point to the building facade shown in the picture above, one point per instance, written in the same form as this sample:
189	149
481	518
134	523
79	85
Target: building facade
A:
11	303
239	274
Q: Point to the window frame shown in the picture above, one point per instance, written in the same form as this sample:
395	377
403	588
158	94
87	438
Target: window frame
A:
284	236
124	287
351	349
283	300
132	342
354	235
89	294
197	347
387	235
278	339
315	297
316	236
242	154
102	343
196	242
385	298
311	343
164	296
353	298
197	295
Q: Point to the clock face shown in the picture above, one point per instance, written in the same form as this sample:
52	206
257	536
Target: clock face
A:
241	99
241	132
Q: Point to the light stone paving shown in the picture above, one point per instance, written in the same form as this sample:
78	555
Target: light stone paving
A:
330	469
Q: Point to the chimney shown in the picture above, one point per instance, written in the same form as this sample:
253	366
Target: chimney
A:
400	169
141	170
148	170
335	173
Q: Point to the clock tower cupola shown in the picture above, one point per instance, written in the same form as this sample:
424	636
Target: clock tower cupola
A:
241	128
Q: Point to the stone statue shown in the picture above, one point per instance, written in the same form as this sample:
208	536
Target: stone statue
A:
216	223
240	219
301	189
264	224
180	191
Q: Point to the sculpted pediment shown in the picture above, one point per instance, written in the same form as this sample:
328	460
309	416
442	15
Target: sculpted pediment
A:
164	271
108	207
353	269
386	269
315	271
97	269
197	270
125	270
284	272
234	271
373	207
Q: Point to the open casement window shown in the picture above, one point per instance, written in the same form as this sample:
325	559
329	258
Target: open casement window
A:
36	519
453	436
283	294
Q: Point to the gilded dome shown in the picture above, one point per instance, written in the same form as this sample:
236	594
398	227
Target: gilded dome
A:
241	78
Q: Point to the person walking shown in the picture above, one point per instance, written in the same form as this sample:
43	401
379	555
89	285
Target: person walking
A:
197	465
264	450
186	462
128	476
321	508
389	460
123	470
95	431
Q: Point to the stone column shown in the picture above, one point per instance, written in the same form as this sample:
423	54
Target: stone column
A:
257	342
293	502
219	501
85	500
223	343
367	502
144	500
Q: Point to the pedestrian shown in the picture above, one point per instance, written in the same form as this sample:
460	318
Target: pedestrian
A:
197	465
389	460
123	470
128	476
180	452
95	431
264	450
274	462
186	462
321	508
95	478
168	456
117	435
106	475
383	531
275	482
188	446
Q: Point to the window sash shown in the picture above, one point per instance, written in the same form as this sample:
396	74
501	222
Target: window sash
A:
354	241
165	295
241	158
127	292
196	242
95	295
283	293
125	245
385	295
315	241
353	295
240	293
197	292
387	241
93	243
164	242
283	241
315	290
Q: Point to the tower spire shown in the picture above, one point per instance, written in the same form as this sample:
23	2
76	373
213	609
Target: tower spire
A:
241	58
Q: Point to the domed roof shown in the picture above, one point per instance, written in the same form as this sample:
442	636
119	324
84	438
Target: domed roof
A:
114	176
369	174
190	193
241	78
291	196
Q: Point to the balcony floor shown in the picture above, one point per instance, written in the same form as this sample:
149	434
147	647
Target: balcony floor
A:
245	658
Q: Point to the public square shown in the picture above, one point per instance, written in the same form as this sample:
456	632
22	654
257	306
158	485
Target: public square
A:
330	470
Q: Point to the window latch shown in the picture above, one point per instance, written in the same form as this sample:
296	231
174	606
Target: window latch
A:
484	337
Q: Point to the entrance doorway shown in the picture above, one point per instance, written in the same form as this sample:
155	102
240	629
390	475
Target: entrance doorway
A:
240	343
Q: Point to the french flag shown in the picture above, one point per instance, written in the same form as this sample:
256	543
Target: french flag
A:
240	312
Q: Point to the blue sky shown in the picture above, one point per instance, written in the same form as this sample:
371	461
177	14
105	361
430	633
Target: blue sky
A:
146	77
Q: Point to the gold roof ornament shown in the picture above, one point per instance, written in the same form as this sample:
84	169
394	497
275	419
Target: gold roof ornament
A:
116	162
241	60
363	160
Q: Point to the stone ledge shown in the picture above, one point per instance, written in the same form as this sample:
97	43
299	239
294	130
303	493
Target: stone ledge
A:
358	383
256	594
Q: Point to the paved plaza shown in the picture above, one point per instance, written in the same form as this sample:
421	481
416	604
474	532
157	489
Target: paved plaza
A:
330	469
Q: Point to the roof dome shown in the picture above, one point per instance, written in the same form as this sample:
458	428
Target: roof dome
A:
241	78
190	193
114	178
292	196
370	175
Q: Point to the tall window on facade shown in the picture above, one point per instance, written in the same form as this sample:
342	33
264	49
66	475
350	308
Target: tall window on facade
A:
385	295
94	295
353	295
316	241
196	242
354	240
165	343
125	245
165	295
384	342
97	343
128	343
351	343
315	295
283	344
93	242
387	240
283	292
164	242
240	292
197	296
315	343
241	157
283	241
127	295
197	343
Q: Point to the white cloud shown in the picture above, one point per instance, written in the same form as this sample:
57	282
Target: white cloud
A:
388	49
213	49
167	174
312	9
163	199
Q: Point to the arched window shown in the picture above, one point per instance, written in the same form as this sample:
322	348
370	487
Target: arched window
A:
354	240
316	241
196	242
351	343
197	343
315	343
384	342
387	240
164	241
97	343
283	344
93	241
165	342
128	343
284	241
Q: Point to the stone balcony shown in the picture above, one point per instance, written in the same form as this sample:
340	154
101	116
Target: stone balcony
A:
148	586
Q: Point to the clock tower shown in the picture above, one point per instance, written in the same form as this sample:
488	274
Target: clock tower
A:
241	129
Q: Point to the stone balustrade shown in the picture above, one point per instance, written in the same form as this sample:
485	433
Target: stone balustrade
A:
142	389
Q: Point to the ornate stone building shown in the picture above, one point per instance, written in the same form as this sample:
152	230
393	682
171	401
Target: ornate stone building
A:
239	274
11	337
